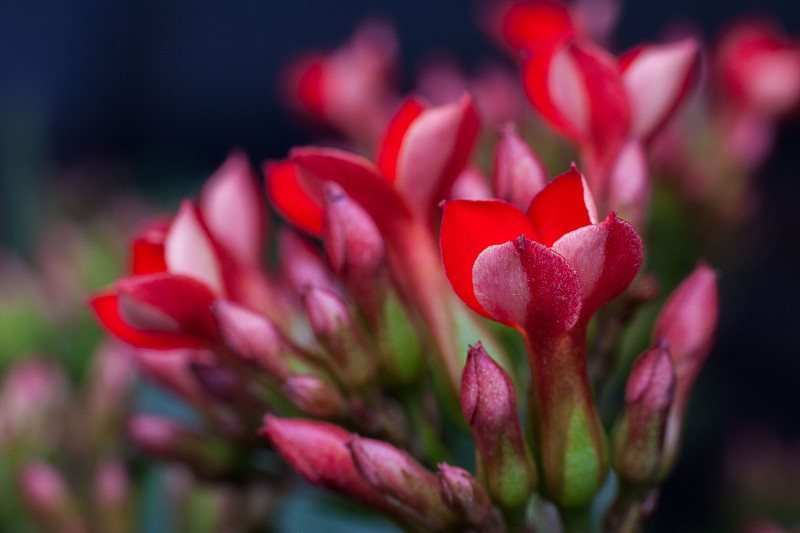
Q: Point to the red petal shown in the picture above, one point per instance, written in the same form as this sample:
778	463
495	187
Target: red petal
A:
233	208
518	174
169	301
468	228
579	90
606	256
105	308
565	205
658	78
291	199
523	283
147	251
310	88
608	99
536	25
433	153
395	133
361	181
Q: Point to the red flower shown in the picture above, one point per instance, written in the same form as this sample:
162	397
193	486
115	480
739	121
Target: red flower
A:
545	269
181	266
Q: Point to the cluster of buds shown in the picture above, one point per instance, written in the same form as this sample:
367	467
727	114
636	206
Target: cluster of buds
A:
377	333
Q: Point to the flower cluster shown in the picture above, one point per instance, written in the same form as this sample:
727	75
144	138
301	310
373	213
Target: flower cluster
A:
377	333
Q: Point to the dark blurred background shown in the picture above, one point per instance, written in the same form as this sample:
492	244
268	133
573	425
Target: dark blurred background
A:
164	90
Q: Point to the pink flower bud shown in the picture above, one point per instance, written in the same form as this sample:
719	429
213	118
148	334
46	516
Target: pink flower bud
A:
518	173
489	404
319	452
403	480
32	394
301	263
252	336
639	437
314	396
45	492
686	325
464	495
353	244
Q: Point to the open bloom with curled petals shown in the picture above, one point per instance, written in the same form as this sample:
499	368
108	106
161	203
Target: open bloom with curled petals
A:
548	269
181	266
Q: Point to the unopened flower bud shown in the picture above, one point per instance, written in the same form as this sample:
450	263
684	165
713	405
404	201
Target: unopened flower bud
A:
353	244
314	396
319	452
32	394
686	325
464	495
164	438
112	496
403	480
301	263
253	337
639	437
45	493
489	404
333	325
518	174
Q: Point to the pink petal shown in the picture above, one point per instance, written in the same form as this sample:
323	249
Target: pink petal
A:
658	78
566	204
292	198
468	228
629	184
518	173
189	251
434	151
525	284
233	210
606	257
471	184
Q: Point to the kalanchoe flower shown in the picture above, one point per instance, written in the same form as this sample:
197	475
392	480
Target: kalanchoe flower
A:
201	254
686	326
403	481
759	68
546	273
489	403
638	442
349	88
423	152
